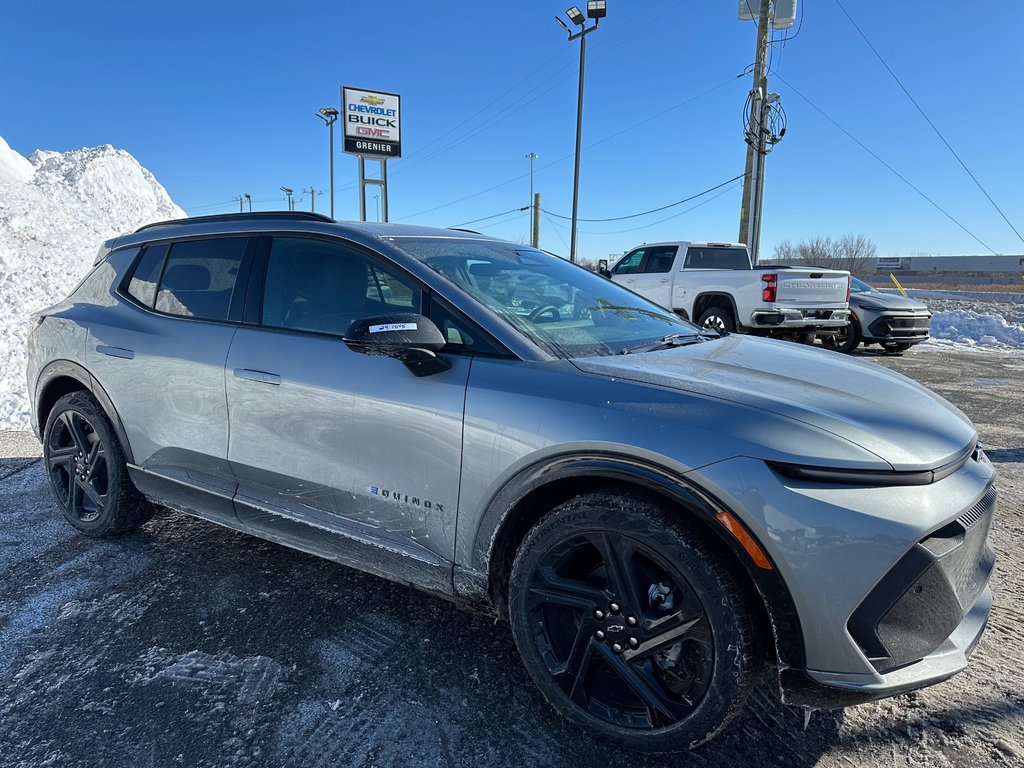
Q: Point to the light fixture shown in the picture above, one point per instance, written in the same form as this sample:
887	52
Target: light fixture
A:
576	16
563	24
597	9
328	111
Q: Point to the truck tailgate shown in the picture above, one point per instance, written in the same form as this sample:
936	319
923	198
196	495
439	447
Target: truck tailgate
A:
812	287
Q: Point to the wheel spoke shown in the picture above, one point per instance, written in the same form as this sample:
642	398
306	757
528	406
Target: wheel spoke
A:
690	628
617	554
571	593
91	492
661	709
573	675
74	427
59	456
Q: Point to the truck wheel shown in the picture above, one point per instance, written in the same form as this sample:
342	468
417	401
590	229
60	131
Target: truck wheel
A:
846	340
631	625
718	318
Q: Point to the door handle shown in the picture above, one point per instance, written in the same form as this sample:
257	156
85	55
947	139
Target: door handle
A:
125	354
261	376
663	280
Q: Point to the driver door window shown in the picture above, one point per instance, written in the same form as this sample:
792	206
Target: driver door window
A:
320	286
630	264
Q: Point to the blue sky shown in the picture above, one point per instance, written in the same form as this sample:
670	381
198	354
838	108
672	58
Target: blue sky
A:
219	98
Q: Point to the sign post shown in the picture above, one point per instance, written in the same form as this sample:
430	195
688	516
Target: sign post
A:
372	121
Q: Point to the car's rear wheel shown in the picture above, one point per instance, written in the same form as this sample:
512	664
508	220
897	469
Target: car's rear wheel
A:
631	625
845	340
86	469
718	318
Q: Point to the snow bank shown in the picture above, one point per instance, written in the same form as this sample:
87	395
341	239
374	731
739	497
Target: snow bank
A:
55	210
975	329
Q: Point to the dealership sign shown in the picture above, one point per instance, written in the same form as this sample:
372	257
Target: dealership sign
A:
372	123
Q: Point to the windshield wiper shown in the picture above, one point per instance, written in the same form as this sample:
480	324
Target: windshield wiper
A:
672	340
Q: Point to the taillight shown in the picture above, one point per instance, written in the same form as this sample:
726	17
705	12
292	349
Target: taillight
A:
771	286
849	282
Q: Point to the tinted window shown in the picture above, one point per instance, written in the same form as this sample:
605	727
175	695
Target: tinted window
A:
199	278
147	274
660	259
717	258
316	285
630	263
460	333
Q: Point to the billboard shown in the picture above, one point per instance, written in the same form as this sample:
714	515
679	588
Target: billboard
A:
372	122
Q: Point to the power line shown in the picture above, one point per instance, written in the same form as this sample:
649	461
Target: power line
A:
654	210
899	175
494	216
929	121
667	218
555	227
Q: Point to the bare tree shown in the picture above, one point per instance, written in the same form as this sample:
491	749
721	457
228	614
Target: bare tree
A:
854	253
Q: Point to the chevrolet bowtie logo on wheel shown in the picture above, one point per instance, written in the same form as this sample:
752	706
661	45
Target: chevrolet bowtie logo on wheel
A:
375	101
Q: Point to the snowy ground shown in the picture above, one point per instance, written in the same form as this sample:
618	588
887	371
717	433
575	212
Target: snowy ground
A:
187	644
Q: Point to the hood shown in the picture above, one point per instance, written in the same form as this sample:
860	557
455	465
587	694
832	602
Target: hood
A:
884	412
886	301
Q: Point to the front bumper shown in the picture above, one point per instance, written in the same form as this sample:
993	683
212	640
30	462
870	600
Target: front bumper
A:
836	547
898	327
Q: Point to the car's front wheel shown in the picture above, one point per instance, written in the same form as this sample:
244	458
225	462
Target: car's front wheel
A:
631	624
86	469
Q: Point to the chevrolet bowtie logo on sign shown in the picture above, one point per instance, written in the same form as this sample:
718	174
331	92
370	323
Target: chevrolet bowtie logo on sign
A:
372	123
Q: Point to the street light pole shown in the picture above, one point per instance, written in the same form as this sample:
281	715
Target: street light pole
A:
531	157
596	10
329	115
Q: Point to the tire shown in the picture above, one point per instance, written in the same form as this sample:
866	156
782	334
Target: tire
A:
86	468
718	318
847	341
596	655
894	348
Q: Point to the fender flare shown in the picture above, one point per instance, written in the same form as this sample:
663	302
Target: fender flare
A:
500	514
68	369
711	298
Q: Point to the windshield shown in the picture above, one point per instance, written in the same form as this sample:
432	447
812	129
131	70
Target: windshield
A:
859	286
563	308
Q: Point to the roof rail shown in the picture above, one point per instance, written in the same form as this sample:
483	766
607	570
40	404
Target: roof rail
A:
257	216
461	229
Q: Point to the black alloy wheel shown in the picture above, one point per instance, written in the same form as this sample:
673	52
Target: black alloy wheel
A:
87	471
630	625
846	339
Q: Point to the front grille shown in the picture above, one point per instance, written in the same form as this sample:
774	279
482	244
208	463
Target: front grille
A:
923	598
979	510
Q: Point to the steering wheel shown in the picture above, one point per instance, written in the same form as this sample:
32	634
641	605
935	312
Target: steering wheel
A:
544	309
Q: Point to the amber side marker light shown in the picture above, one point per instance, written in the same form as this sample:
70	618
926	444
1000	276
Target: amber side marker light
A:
740	534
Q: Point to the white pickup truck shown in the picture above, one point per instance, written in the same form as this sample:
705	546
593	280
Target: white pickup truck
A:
714	285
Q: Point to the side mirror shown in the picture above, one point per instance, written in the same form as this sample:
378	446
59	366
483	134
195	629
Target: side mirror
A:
602	268
405	336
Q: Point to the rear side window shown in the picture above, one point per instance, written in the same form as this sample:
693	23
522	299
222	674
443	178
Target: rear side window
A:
142	287
199	278
660	259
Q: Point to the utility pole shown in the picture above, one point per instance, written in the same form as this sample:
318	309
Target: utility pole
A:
753	179
535	229
241	202
531	157
312	198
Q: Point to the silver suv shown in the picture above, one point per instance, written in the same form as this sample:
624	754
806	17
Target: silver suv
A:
656	509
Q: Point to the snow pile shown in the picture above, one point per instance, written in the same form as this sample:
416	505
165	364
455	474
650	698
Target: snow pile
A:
55	210
975	329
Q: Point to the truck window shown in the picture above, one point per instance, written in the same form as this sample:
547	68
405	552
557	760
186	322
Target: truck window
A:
630	264
717	258
660	259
